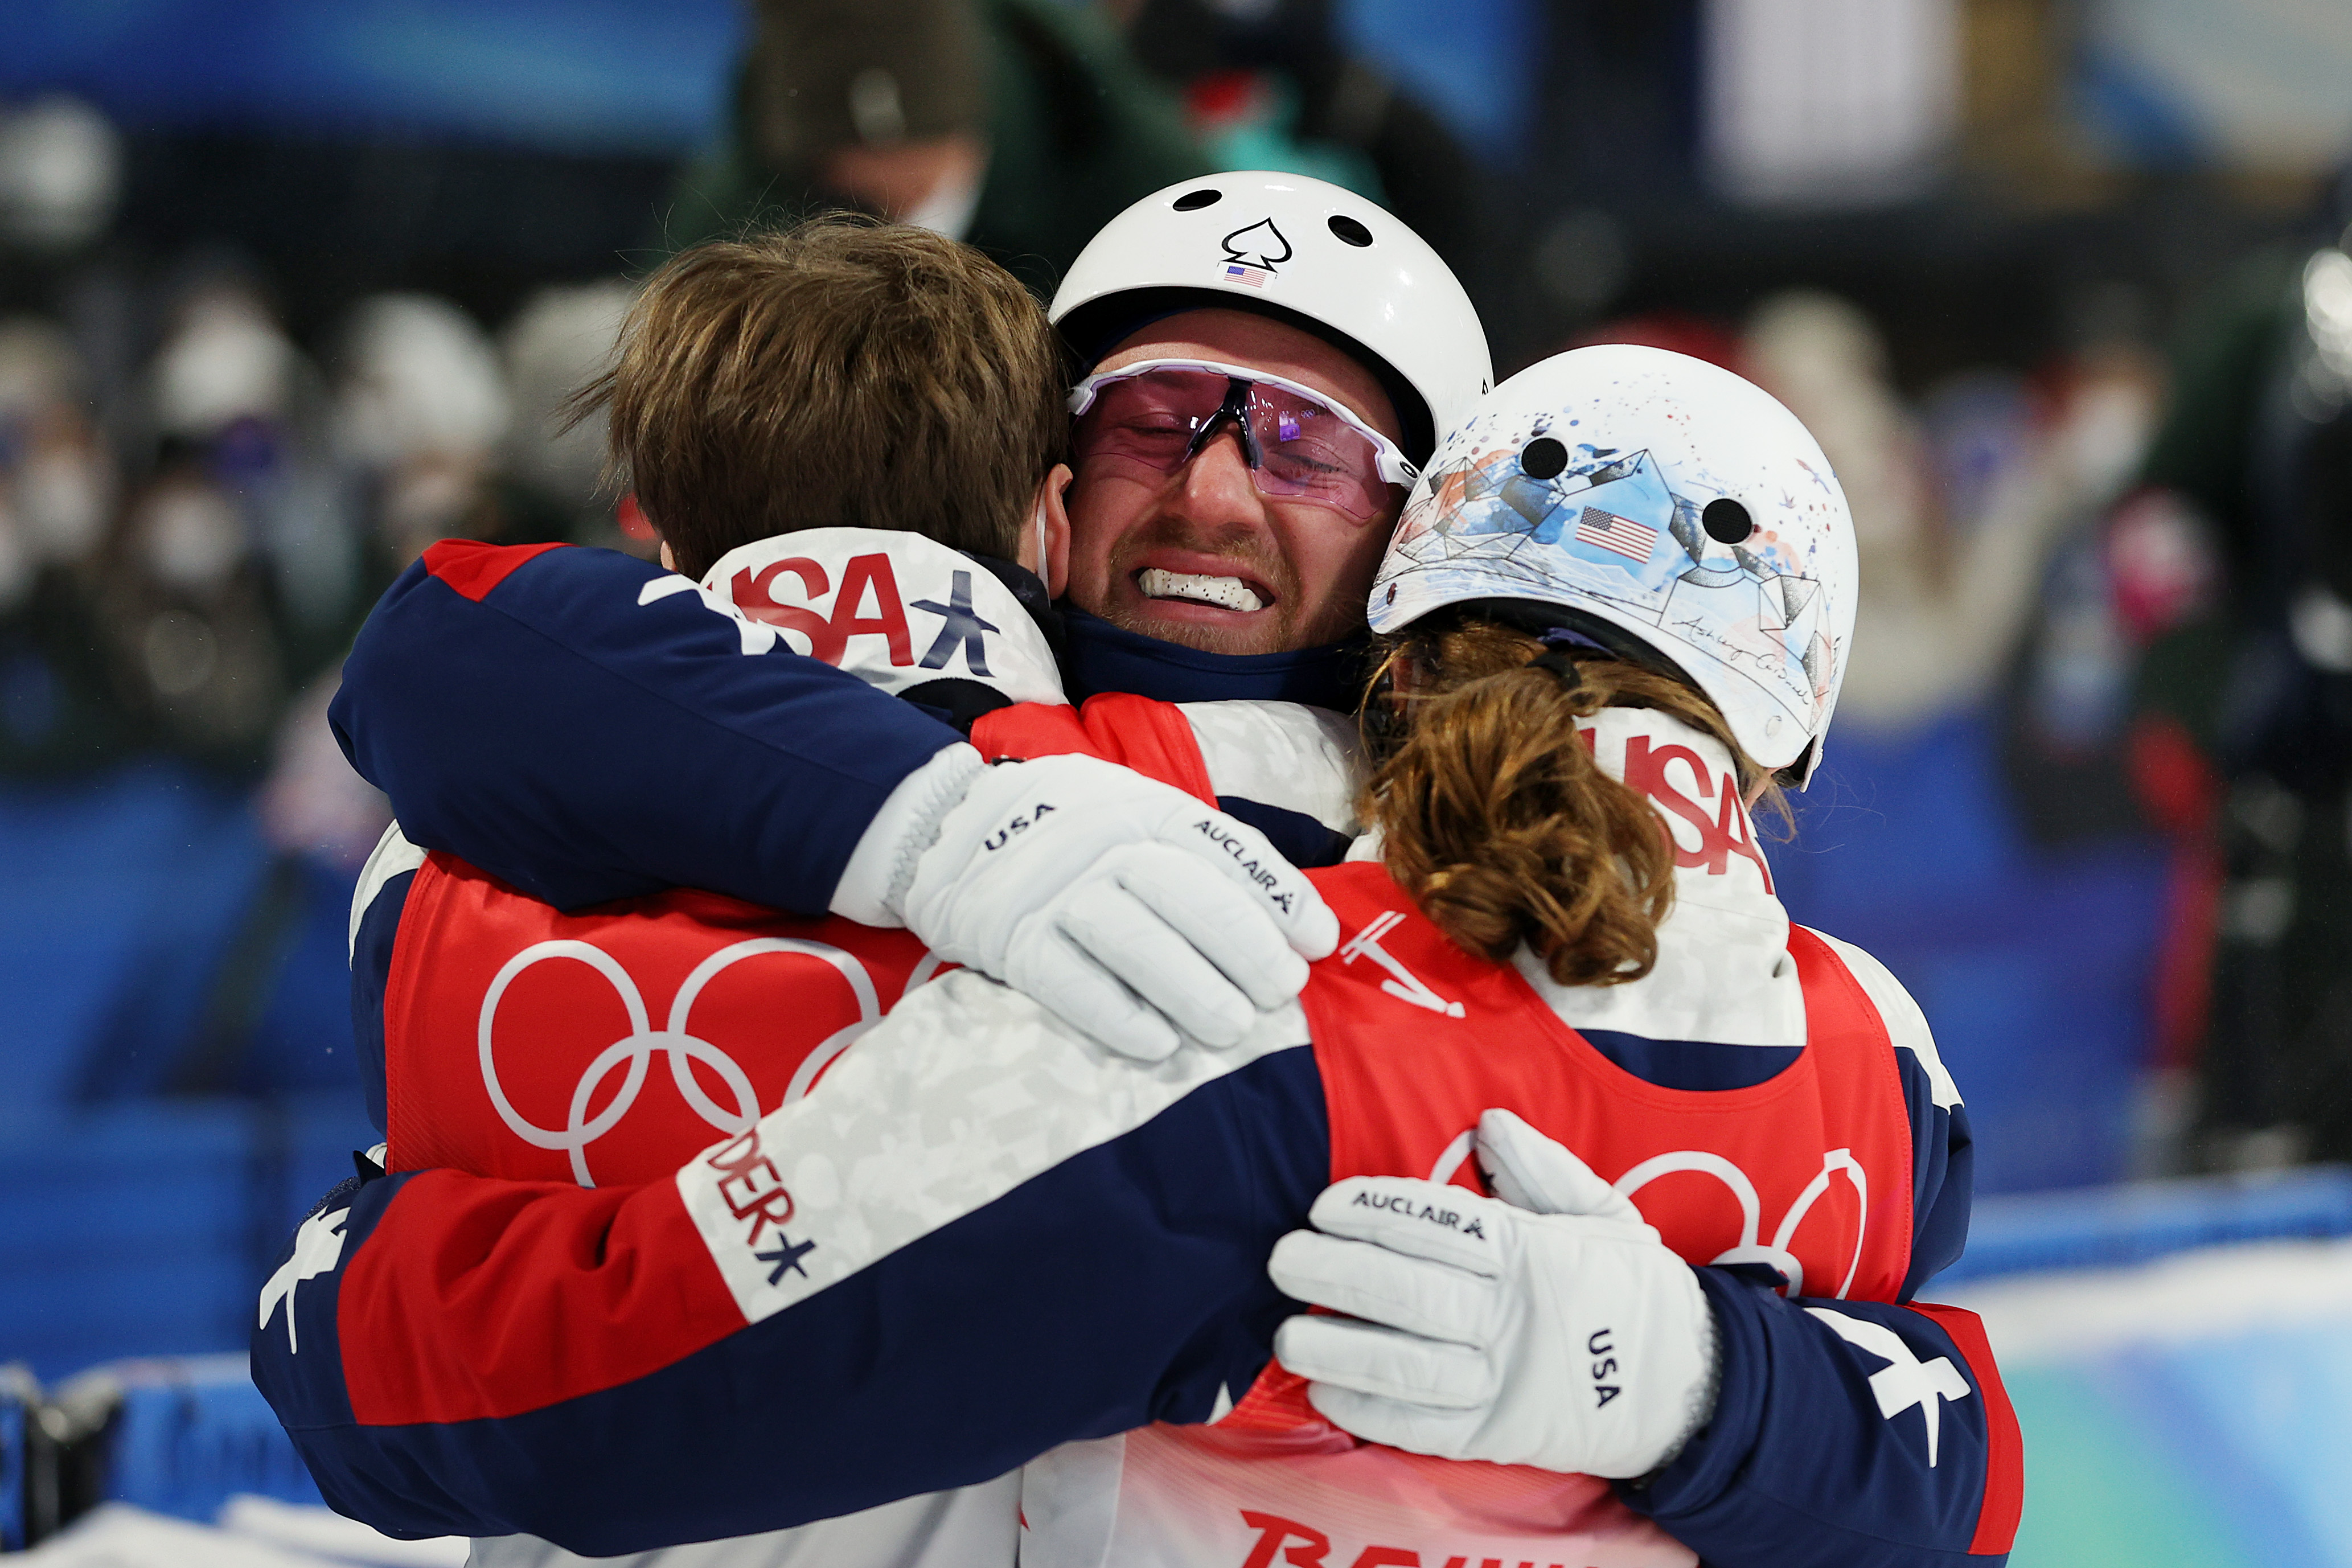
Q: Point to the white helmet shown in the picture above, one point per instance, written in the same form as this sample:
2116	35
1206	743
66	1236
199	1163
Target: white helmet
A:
1316	256
1665	509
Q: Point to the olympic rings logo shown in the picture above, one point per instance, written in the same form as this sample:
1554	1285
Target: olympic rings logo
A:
1750	1248
635	1051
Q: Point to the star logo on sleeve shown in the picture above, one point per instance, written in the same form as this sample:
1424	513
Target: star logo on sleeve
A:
964	629
318	1248
788	1255
1906	1380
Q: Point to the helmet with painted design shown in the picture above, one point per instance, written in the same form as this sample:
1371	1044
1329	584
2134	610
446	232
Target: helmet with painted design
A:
1667	510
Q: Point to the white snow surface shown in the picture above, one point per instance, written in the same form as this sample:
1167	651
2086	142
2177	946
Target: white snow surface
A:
2211	1293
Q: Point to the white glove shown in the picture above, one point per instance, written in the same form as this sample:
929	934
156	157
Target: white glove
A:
1124	904
1568	1338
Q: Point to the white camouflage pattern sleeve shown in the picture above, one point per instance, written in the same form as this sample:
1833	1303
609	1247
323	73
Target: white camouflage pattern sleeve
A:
965	1092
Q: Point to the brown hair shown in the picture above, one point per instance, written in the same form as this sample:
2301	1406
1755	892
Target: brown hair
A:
841	373
1498	820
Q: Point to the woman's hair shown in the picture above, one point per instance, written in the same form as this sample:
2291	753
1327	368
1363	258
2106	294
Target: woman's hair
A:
1496	818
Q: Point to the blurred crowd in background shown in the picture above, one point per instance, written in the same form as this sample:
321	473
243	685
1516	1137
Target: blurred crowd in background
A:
2058	284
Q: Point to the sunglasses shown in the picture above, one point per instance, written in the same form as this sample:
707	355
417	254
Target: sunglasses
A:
1300	446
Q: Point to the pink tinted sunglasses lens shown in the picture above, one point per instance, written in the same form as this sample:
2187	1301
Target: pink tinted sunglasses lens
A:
1149	419
1303	448
1306	449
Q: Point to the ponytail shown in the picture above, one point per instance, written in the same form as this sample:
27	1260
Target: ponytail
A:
1495	817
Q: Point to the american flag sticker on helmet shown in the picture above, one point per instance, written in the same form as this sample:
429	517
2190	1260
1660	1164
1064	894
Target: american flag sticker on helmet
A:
1623	535
1240	272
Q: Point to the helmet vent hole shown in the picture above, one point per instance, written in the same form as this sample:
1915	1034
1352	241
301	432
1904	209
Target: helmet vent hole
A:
1194	201
1727	521
1543	458
1350	232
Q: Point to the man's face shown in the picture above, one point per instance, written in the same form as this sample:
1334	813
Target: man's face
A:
1310	567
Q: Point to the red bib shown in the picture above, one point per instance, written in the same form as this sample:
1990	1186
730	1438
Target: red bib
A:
1812	1165
605	1047
1809	1172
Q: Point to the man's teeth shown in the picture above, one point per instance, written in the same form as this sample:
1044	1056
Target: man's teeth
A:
1226	593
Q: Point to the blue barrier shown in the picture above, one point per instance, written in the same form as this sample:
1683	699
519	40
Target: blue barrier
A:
192	1433
148	936
2106	1228
146	1229
301	1039
126	1229
119	898
16	1427
2033	965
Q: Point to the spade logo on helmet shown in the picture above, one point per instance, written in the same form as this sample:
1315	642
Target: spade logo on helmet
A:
1259	246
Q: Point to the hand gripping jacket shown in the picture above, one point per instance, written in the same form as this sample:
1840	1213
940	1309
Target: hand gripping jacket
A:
1085	1253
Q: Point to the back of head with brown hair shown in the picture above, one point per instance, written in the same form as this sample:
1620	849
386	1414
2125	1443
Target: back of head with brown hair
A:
1498	820
842	374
